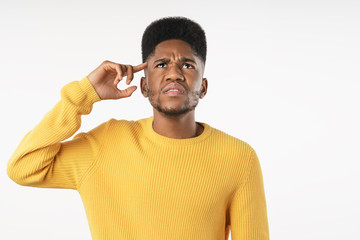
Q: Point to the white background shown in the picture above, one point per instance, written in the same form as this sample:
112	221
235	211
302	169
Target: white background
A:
283	76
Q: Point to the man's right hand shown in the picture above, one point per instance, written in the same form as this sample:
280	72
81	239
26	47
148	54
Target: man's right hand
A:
106	77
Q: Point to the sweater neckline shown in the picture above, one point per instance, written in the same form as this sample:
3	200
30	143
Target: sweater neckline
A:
154	136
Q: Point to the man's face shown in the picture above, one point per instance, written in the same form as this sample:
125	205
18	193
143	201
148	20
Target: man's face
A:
173	79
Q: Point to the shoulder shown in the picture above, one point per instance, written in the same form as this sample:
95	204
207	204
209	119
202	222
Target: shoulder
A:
236	154
126	126
230	143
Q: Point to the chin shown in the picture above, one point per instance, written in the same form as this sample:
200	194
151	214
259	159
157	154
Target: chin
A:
171	111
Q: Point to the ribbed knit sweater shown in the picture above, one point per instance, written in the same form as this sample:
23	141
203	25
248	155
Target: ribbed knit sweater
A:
138	184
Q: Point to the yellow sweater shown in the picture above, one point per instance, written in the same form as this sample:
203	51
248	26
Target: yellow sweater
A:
137	184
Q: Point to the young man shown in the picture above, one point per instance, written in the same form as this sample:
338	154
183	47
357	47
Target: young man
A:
163	177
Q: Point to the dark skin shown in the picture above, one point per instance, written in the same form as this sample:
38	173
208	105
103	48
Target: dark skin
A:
174	62
173	83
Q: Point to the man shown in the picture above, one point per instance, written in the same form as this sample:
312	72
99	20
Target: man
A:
163	177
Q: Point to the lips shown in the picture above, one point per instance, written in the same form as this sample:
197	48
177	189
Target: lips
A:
174	89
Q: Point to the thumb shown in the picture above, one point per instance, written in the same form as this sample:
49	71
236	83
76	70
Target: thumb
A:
126	92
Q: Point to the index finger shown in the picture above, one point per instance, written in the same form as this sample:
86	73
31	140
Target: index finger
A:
139	67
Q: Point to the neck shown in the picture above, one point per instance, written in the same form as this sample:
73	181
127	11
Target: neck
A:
183	126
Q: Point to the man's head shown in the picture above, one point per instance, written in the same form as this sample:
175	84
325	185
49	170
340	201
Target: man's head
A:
175	49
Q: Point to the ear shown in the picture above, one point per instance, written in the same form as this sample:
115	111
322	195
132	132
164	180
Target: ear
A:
204	86
143	86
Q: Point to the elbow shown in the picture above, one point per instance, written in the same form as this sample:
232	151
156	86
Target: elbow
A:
12	174
19	175
15	175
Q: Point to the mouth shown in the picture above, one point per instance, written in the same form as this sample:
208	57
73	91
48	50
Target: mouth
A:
174	89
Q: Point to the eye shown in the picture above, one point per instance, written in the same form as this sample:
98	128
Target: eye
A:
186	65
161	65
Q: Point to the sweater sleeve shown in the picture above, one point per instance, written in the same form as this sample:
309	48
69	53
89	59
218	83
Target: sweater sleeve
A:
248	211
42	159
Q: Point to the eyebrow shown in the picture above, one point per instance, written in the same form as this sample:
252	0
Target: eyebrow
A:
183	59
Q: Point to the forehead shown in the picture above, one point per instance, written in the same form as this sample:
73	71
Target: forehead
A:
174	47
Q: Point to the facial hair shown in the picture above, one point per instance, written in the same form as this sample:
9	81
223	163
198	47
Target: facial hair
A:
189	105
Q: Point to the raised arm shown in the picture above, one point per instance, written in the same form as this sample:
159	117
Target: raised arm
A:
42	159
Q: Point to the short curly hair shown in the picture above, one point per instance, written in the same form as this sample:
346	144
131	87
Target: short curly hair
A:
174	28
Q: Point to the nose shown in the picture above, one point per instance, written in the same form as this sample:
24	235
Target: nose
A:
175	73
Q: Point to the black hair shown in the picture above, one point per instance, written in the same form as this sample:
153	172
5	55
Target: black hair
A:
180	28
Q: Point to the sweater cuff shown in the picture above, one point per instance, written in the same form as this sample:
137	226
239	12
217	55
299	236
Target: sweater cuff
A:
89	90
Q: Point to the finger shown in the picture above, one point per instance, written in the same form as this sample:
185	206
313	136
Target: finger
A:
139	67
126	92
129	74
123	70
119	75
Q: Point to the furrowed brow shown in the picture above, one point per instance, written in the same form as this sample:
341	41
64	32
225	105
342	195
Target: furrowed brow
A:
165	60
184	59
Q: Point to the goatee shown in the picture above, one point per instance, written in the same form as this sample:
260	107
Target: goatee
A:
189	105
